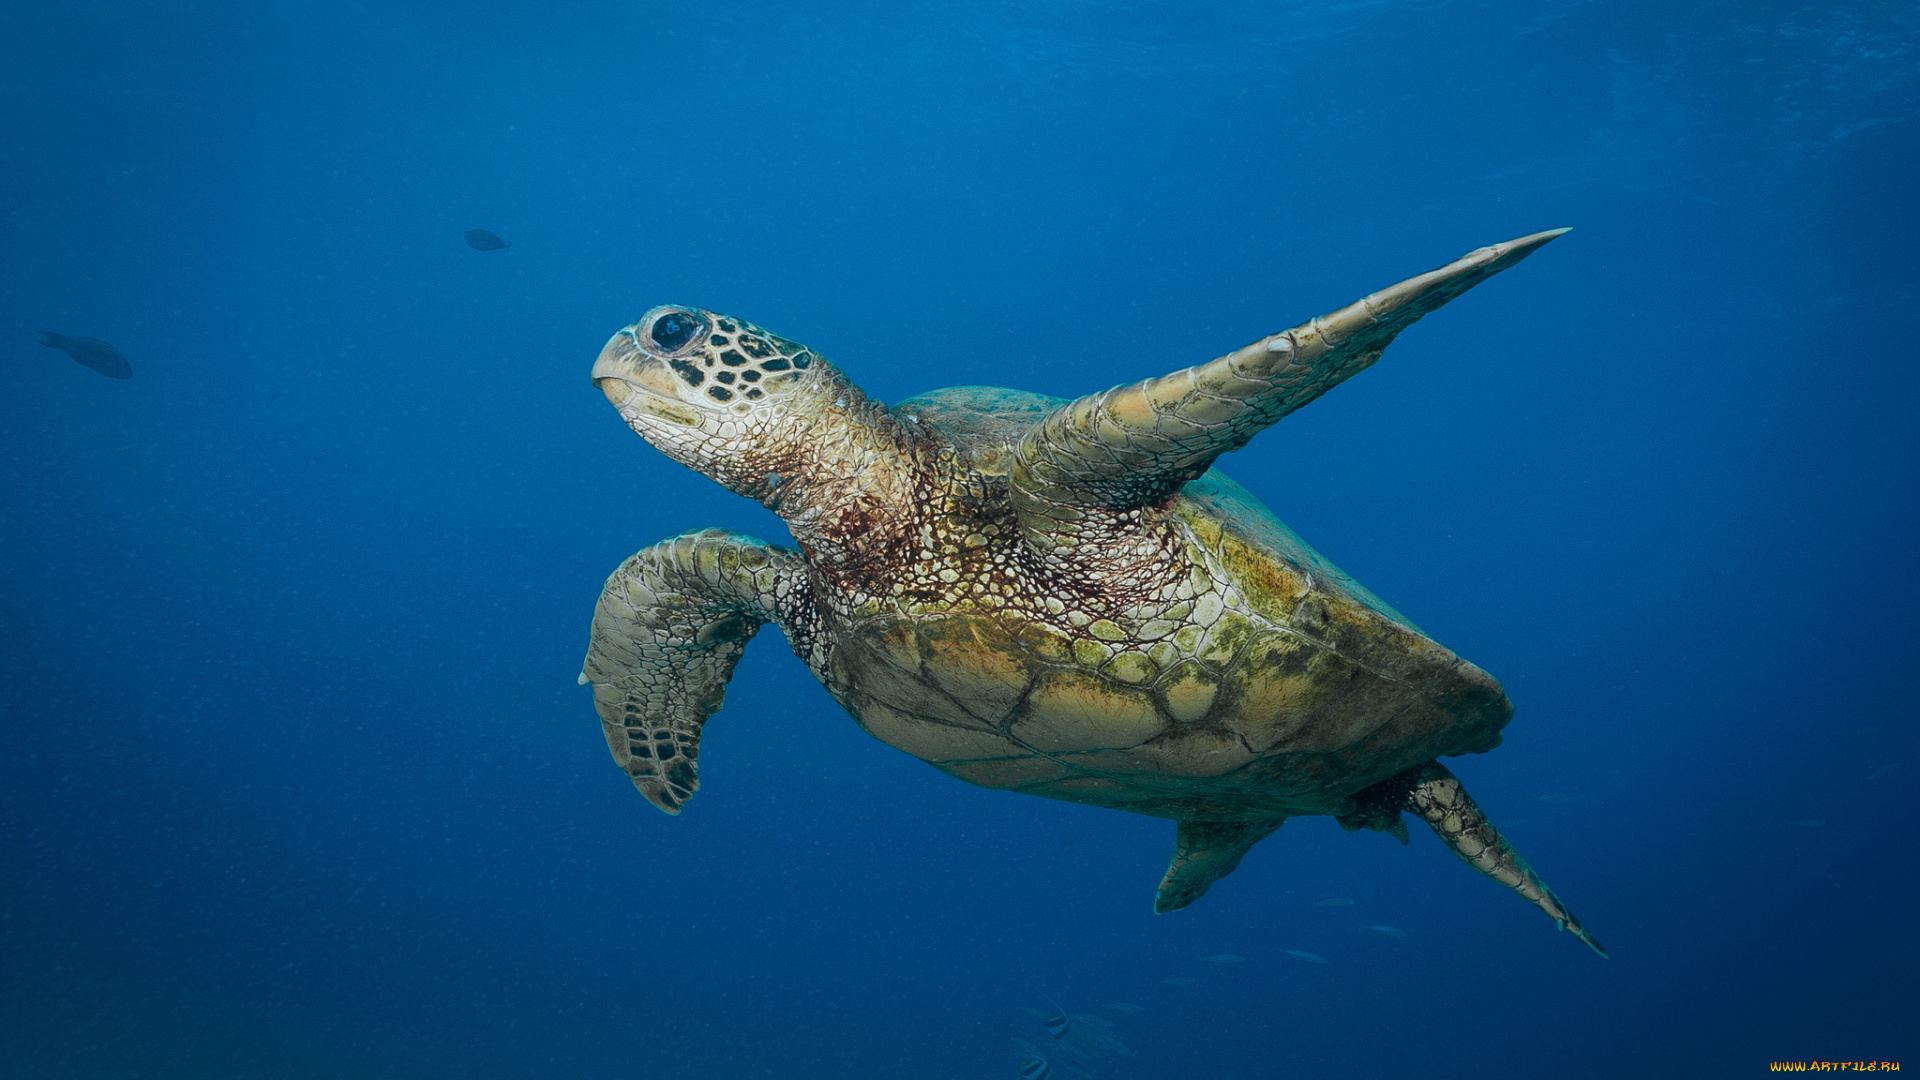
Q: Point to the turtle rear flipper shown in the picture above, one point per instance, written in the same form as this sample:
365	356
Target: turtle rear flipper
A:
1134	445
671	624
1437	796
1203	853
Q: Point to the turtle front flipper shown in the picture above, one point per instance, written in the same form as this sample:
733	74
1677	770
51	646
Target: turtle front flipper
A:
1203	853
667	632
1134	445
1437	796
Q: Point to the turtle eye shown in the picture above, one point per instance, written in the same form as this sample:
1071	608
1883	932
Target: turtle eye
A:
673	330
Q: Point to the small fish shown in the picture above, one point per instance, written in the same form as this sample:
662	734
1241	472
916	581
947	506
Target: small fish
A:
1386	931
1123	1006
1183	980
1882	771
1224	958
91	352
1035	1068
1059	1023
1336	901
1807	823
482	240
1562	798
1311	958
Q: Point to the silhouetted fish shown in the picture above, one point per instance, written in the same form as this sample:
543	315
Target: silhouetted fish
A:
1035	1069
1562	798
1224	958
1076	1053
1123	1006
1386	931
1311	958
1337	901
1182	980
91	352
482	240
1058	1022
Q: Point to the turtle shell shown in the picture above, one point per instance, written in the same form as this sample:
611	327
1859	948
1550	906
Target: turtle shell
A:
1261	683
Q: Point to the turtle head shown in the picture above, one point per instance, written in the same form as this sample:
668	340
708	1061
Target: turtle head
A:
720	395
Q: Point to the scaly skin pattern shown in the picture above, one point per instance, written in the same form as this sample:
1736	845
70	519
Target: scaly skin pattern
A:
1060	598
1132	445
1436	795
667	632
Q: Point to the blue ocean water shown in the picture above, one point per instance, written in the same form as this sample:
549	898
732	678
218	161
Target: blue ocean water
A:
297	781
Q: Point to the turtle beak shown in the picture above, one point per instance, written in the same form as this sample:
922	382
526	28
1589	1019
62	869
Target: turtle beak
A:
637	383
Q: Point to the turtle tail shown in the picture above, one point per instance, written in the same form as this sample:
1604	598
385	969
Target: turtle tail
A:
1437	796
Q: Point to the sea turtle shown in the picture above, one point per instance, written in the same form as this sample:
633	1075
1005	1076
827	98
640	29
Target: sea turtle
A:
1055	597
